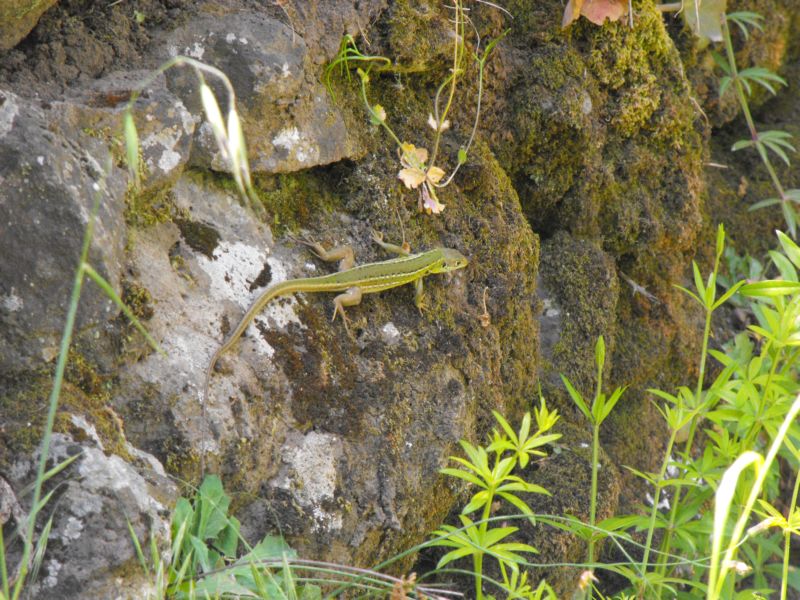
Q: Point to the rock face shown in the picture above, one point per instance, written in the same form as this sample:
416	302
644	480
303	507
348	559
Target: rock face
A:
587	140
18	17
50	173
291	122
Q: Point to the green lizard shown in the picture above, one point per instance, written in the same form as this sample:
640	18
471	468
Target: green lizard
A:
354	281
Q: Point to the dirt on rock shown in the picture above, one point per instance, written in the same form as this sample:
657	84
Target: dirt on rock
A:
79	40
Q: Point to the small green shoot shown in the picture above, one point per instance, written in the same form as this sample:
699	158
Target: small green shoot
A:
490	469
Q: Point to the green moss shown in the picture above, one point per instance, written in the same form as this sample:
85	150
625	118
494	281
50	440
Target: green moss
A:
85	392
149	207
138	299
420	36
293	199
21	405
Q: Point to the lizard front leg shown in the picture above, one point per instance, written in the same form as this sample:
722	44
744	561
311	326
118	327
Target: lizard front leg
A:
419	295
352	297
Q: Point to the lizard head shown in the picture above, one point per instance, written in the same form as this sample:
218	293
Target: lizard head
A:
452	260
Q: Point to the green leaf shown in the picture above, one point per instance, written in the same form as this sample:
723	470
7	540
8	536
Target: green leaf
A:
132	148
577	398
611	403
213	503
462	155
742	144
770	288
720	244
764	203
689	293
506	427
460	474
200	552
790	249
271	547
520	504
479	500
698	281
600	352
731	291
744	20
228	539
455	555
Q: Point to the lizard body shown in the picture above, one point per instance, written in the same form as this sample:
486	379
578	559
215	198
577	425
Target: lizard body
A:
353	281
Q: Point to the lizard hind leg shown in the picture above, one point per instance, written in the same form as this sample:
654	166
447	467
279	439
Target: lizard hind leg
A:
403	250
344	254
351	297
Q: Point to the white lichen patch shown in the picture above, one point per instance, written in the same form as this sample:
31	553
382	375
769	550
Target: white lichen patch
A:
309	473
196	50
52	568
11	302
8	111
160	151
390	334
235	266
298	145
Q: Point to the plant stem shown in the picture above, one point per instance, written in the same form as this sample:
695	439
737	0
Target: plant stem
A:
740	92
666	544
458	56
55	394
595	454
478	561
593	499
656	497
787	539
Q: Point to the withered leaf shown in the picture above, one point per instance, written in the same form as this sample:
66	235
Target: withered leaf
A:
704	18
597	11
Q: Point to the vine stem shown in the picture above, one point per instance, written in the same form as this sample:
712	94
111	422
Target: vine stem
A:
673	513
787	539
740	93
58	379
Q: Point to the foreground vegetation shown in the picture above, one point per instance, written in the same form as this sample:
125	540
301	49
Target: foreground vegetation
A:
719	524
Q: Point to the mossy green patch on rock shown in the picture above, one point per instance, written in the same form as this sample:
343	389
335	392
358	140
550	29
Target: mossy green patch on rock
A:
580	281
294	199
149	207
420	35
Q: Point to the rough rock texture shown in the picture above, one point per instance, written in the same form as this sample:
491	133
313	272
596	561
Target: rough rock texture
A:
290	120
50	173
18	17
588	139
89	543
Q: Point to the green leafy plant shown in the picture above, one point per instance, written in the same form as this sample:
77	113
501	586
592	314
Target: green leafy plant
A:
491	469
602	406
763	142
708	21
205	561
419	169
747	418
209	558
